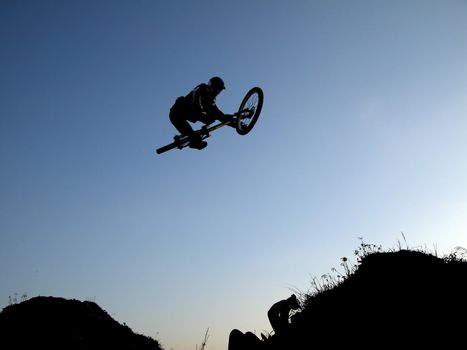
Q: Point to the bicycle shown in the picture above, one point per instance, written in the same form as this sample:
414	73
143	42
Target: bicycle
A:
245	119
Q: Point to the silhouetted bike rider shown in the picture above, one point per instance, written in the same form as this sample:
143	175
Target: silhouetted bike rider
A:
279	314
198	105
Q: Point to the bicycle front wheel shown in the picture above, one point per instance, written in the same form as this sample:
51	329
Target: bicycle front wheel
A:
249	110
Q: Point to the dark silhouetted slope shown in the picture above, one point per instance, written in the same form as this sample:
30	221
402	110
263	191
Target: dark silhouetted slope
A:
395	299
392	300
57	323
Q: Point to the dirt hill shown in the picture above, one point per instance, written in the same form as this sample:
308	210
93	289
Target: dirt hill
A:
57	323
402	299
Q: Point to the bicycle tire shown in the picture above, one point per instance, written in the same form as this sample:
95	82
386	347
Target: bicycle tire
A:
253	103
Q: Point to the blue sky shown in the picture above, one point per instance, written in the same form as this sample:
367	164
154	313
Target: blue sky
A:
363	133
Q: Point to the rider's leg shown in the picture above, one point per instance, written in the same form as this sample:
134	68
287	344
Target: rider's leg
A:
205	119
182	125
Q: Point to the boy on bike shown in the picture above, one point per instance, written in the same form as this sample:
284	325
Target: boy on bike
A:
198	105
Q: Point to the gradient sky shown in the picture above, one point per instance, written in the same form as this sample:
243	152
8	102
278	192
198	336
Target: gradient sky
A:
363	133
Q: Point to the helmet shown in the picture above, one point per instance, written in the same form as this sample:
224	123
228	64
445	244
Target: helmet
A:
294	301
216	84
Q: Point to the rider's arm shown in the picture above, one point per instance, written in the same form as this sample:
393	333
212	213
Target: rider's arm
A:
216	113
210	111
198	99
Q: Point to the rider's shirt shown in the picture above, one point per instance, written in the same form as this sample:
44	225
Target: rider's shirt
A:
199	105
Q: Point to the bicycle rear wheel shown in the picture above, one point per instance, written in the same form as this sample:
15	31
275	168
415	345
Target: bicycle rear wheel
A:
249	111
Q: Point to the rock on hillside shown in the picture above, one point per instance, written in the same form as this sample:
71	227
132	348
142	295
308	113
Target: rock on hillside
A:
57	323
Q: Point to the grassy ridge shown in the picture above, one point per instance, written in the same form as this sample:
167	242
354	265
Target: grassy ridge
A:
399	298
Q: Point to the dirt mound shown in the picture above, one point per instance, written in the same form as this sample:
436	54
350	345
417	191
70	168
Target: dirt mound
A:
57	323
402	299
394	299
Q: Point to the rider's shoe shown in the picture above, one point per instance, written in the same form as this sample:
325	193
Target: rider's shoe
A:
197	144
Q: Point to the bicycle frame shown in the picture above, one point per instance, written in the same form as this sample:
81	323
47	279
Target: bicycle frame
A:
181	142
205	131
